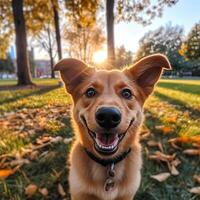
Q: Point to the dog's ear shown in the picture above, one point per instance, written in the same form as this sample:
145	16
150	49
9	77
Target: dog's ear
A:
73	72
147	71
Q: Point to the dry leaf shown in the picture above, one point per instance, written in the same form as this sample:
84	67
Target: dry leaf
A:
172	119
176	162
34	155
159	156
195	190
67	140
197	178
44	191
166	129
4	173
161	177
19	162
174	171
61	190
152	143
30	190
57	139
186	139
192	152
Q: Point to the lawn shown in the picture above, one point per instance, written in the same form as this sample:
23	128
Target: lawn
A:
35	140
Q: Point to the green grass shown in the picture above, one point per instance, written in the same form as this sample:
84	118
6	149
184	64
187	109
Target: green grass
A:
44	111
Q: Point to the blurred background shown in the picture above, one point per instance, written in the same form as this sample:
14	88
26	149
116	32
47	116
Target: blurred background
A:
106	34
35	128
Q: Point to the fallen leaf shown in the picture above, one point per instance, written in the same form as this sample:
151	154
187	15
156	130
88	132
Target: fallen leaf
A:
176	162
44	191
4	173
161	177
57	139
34	155
192	152
195	190
152	143
61	190
174	171
67	140
172	119
164	129
197	178
159	156
21	162
30	190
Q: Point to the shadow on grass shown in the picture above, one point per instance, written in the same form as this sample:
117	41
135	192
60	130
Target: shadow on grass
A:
179	105
35	91
188	88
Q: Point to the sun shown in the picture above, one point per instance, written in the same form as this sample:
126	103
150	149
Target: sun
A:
99	56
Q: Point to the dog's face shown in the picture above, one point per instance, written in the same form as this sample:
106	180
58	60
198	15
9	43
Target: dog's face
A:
108	104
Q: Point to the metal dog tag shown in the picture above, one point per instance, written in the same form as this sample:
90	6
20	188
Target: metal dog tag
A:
109	184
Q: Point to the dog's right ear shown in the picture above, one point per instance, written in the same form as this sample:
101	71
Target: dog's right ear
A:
73	72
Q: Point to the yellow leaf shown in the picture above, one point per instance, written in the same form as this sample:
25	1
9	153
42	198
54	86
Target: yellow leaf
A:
4	173
161	177
30	190
166	129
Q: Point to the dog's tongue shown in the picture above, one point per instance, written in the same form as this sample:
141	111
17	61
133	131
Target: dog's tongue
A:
107	139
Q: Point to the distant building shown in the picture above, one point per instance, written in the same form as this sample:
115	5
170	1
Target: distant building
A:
42	68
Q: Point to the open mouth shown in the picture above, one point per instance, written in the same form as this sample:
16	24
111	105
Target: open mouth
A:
106	143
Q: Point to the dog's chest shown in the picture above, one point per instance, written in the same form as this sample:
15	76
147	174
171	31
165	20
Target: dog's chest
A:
95	181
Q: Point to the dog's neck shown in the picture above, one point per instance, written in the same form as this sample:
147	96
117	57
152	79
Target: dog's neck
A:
107	162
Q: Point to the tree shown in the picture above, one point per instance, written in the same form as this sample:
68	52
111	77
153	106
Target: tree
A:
157	42
46	40
23	68
57	26
6	20
123	57
142	11
34	14
83	34
83	42
110	32
191	47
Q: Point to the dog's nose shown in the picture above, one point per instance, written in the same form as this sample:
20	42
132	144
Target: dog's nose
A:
108	117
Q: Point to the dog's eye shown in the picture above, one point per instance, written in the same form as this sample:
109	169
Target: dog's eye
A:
126	93
90	92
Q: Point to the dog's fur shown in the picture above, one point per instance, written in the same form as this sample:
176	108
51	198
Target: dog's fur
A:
86	177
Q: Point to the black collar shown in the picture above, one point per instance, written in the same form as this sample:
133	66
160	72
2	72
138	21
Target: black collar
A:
106	162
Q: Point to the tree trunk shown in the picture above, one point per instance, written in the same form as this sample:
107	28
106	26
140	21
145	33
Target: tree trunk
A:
23	67
51	53
57	30
110	32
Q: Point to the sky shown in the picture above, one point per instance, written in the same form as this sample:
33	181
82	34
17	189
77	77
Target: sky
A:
185	13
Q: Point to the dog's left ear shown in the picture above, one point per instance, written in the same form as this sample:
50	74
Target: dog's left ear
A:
147	71
73	72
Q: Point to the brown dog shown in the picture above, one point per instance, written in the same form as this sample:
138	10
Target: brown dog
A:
105	159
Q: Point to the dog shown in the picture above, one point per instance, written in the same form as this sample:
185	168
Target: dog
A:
105	159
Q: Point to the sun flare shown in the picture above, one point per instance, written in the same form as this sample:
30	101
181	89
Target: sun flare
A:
99	56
